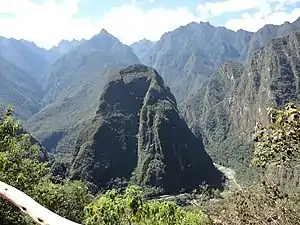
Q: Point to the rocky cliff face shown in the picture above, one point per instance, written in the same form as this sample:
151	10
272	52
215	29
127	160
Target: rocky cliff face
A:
235	100
270	79
138	134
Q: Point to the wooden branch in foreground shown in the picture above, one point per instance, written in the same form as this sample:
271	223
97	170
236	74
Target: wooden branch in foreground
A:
27	205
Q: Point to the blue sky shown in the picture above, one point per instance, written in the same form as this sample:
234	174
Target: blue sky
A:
47	22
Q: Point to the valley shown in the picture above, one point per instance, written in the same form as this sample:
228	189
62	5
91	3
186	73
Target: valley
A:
168	116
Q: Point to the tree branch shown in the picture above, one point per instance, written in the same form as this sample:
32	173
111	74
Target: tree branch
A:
27	205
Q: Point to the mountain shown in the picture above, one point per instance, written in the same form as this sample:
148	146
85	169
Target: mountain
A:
142	47
19	89
73	87
62	48
189	55
23	66
38	50
138	133
25	55
264	35
226	111
85	63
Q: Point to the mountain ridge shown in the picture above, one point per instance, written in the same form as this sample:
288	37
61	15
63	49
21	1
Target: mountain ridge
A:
227	110
199	49
73	87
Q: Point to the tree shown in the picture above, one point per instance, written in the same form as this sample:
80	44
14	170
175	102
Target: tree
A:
66	199
132	208
279	142
19	164
20	167
277	147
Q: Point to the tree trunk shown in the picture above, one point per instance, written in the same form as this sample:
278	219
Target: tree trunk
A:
27	205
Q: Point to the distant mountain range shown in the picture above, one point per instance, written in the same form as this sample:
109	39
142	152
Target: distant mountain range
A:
189	55
73	88
222	80
19	89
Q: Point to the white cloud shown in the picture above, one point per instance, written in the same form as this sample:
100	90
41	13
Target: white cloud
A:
265	12
213	9
253	22
131	23
47	24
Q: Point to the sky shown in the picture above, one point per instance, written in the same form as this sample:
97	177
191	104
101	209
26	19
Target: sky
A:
47	22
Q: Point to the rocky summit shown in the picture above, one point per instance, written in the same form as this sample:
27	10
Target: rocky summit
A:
138	135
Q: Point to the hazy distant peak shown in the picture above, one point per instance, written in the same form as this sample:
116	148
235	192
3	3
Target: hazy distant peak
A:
144	40
205	23
104	34
103	31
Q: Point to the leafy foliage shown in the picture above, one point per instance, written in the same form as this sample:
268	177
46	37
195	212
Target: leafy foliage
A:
269	202
18	164
279	142
21	168
67	199
258	205
132	208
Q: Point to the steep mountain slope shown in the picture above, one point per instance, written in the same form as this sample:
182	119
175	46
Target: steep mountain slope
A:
73	88
25	55
84	63
270	31
137	133
19	89
62	48
235	100
189	55
38	50
142	47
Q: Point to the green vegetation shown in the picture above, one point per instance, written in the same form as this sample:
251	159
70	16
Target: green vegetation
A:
279	142
20	167
138	135
72	89
269	202
131	208
67	199
226	110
